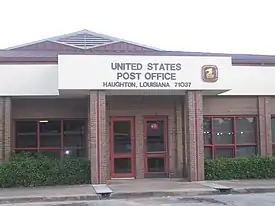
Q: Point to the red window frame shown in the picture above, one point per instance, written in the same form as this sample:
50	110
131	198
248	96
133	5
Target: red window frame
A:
39	148
273	142
234	146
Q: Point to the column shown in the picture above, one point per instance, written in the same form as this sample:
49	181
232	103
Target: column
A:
194	135
172	144
97	138
139	130
2	128
264	117
7	129
179	137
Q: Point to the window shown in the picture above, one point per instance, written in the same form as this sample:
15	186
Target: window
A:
229	136
54	137
273	134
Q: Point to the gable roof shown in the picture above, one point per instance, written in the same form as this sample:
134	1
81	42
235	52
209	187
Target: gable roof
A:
92	43
84	40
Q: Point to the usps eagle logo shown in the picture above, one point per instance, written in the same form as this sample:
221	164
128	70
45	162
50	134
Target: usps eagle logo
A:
210	73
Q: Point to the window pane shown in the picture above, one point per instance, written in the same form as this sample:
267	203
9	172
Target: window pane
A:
223	130
50	134
245	130
224	152
273	129
122	137
207	153
74	133
207	130
246	151
123	165
156	164
155	136
26	134
74	153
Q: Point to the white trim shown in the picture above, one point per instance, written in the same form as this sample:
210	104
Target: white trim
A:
91	47
52	39
62	43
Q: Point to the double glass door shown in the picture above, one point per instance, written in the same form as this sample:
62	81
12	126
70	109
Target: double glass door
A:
122	147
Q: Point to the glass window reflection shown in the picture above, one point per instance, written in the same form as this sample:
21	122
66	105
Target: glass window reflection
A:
155	136
245	130
122	137
233	136
223	130
207	131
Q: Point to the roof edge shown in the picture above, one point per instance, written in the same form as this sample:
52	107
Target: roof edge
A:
52	56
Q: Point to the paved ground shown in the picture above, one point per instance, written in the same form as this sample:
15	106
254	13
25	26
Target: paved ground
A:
121	188
132	189
267	199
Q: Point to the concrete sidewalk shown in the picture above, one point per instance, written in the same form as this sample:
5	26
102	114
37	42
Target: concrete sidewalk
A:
133	189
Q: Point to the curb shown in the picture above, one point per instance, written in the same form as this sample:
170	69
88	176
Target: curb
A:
9	200
254	190
127	195
123	195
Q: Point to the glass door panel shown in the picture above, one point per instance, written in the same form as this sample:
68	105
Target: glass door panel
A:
155	146
155	136
122	147
122	137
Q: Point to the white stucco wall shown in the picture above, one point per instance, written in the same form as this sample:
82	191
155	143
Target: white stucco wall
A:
28	80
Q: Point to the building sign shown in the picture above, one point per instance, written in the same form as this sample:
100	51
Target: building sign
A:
116	72
146	75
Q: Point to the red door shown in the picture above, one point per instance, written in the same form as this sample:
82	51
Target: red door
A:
155	145
122	147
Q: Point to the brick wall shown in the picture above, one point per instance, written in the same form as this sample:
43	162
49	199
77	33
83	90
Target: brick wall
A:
221	105
264	126
194	135
47	108
180	152
5	129
97	138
